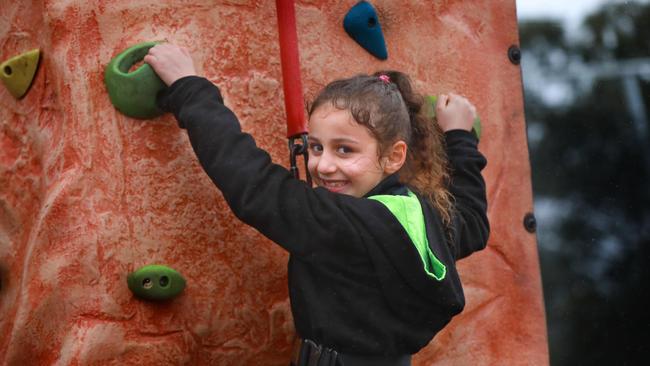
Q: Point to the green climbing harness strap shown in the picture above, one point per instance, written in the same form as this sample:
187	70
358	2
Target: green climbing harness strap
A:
408	211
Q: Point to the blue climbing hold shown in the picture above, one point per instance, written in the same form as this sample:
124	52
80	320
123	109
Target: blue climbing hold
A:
362	24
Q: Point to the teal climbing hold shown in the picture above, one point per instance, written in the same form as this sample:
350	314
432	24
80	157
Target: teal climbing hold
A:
133	92
155	282
362	24
476	127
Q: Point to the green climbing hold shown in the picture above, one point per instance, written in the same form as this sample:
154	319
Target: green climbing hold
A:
476	128
133	92
155	282
18	72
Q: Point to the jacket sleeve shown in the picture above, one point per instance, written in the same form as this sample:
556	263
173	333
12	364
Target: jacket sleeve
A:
470	222
260	193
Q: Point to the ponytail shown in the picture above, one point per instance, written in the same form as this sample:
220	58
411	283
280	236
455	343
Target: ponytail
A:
426	168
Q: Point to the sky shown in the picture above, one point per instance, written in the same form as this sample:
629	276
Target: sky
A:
559	8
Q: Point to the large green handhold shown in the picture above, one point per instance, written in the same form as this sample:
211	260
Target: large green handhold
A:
133	93
476	128
155	282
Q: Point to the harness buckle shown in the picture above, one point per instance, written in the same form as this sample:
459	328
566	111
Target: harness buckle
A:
313	354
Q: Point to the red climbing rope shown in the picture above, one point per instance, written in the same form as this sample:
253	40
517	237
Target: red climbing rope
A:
293	101
292	86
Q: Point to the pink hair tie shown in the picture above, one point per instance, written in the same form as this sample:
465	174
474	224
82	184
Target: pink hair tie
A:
385	78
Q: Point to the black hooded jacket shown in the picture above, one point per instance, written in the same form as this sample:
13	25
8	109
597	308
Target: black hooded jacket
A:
356	282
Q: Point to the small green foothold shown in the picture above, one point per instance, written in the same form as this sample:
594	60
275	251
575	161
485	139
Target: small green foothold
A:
133	93
476	128
18	72
155	282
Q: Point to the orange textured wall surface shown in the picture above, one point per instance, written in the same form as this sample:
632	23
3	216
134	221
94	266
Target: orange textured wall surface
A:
87	195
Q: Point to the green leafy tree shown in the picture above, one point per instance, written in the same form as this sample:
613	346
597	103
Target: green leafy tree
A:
590	164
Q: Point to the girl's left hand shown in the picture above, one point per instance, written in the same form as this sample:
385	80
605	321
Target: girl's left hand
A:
170	62
455	112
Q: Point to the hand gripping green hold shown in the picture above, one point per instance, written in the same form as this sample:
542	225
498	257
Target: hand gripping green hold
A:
476	128
155	282
133	93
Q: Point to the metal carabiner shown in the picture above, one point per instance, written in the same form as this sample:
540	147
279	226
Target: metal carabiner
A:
296	149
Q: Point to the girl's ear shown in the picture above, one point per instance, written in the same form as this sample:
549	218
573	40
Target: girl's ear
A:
395	157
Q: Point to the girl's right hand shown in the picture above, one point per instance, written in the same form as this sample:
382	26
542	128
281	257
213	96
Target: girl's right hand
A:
455	112
170	62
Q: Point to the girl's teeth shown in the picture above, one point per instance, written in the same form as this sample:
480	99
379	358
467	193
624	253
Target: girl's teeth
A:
335	184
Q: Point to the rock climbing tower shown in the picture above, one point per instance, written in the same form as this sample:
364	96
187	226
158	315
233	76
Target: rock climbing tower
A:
97	206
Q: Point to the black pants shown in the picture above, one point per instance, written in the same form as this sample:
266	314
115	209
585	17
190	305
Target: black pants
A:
350	360
309	353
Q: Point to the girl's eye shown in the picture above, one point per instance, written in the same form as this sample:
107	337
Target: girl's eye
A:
317	148
343	150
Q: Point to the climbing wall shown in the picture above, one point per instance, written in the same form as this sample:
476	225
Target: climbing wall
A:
88	195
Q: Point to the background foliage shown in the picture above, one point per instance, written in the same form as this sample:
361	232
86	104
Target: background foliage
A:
588	140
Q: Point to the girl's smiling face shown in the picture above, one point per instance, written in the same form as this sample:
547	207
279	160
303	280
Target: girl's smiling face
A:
343	155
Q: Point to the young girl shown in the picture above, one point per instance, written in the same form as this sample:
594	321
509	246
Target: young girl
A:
372	274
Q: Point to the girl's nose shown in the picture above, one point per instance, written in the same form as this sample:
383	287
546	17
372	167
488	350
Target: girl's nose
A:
326	165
